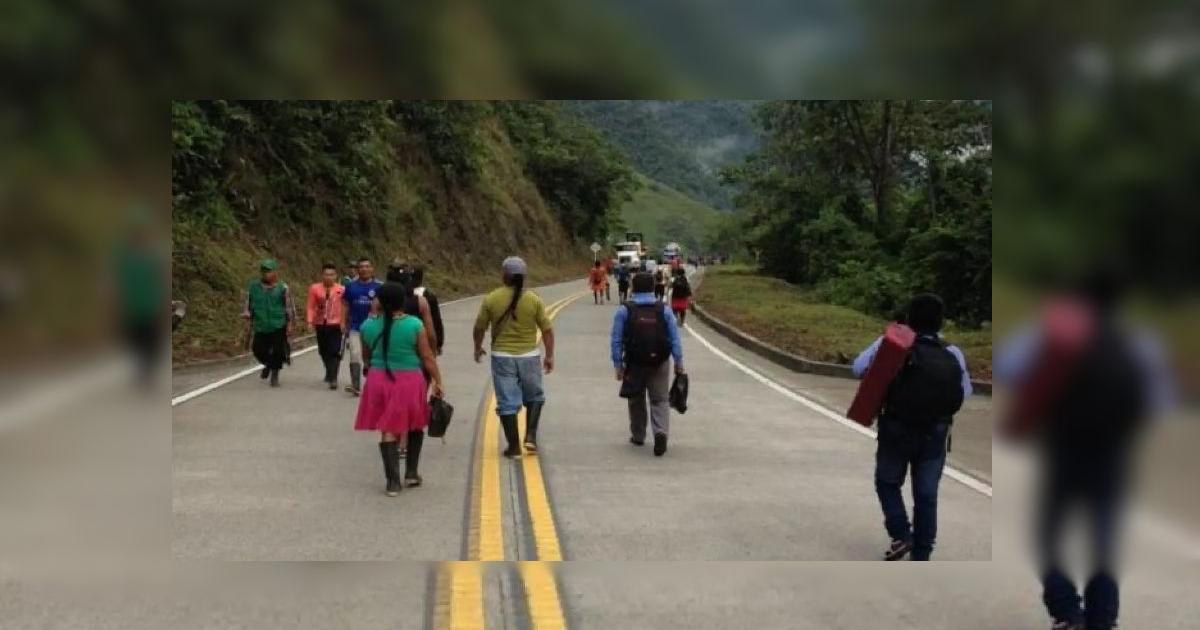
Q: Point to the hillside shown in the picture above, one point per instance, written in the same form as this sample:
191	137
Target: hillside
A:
664	214
683	144
456	186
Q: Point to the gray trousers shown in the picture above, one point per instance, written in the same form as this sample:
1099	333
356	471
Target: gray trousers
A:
658	388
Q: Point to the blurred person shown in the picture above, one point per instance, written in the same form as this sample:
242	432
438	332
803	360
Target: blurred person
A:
1086	432
269	313
644	337
326	315
178	312
395	401
142	292
608	271
351	272
515	316
623	275
359	295
914	428
402	273
662	275
435	309
681	295
598	281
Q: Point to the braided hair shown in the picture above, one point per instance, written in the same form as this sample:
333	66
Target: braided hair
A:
391	301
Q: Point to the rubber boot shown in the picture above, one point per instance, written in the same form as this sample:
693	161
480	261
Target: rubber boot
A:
355	378
509	424
533	413
391	466
411	476
275	378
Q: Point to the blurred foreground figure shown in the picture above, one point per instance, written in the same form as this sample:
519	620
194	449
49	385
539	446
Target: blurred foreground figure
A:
141	283
1084	386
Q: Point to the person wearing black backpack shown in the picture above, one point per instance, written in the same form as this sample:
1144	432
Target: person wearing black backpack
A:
914	428
644	340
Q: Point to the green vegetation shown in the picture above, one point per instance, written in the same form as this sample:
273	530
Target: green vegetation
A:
800	321
871	201
664	214
456	185
683	144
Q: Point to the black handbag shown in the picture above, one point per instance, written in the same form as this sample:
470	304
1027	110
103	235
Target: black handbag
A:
679	393
440	413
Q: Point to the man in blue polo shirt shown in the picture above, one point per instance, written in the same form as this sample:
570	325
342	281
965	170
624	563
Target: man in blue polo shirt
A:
359	295
644	340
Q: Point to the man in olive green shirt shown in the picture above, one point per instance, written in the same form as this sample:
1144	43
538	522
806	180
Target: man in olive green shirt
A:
269	313
515	317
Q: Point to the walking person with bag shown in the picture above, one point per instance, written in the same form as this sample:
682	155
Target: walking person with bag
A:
269	313
681	295
515	316
914	428
644	340
396	399
623	274
326	315
435	309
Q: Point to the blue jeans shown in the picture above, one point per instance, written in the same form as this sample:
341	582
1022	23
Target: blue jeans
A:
517	380
900	449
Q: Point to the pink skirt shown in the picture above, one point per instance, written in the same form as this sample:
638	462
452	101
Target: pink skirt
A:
679	304
397	406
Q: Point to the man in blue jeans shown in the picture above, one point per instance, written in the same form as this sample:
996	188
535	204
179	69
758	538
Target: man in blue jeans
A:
914	428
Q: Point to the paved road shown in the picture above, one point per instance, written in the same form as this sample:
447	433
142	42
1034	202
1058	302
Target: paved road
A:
752	474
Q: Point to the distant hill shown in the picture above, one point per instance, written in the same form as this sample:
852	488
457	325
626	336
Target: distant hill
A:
663	214
682	144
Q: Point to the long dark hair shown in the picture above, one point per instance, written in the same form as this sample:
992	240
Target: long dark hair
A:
517	282
391	300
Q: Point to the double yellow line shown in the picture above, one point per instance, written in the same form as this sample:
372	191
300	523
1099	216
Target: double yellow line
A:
459	603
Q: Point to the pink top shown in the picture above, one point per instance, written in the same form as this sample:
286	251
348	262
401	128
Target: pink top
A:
325	305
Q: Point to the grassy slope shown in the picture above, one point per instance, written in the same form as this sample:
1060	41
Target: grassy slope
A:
664	214
786	316
461	234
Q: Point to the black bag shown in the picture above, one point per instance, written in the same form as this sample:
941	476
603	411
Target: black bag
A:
928	389
440	413
646	341
679	393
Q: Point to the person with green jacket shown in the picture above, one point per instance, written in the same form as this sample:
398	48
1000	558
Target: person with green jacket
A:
269	314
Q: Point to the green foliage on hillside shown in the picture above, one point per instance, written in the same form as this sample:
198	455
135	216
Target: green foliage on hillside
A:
683	144
870	201
457	185
663	214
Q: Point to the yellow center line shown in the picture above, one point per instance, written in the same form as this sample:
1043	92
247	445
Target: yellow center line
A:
541	595
459	603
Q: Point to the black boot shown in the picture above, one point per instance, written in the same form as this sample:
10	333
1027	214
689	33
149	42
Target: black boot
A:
533	413
275	377
509	424
391	466
411	477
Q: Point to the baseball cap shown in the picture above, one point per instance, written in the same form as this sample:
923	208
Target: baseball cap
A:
268	264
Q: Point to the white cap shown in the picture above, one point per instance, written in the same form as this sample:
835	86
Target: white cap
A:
513	266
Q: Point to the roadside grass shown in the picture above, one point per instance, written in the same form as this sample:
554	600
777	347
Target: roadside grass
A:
792	318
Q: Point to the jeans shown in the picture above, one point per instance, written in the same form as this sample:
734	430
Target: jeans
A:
903	448
517	381
270	348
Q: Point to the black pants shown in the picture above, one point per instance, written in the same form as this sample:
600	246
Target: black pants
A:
270	348
329	346
623	290
145	341
660	290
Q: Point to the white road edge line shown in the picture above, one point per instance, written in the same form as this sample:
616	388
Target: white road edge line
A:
953	473
182	398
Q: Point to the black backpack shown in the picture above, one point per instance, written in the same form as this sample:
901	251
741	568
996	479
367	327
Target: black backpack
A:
680	288
928	389
646	341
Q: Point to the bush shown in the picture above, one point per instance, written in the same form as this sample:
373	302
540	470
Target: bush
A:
865	287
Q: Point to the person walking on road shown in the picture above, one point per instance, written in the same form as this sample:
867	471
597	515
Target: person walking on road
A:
402	273
623	274
681	295
359	296
660	281
326	315
914	428
644	339
435	309
269	313
395	401
515	316
598	280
